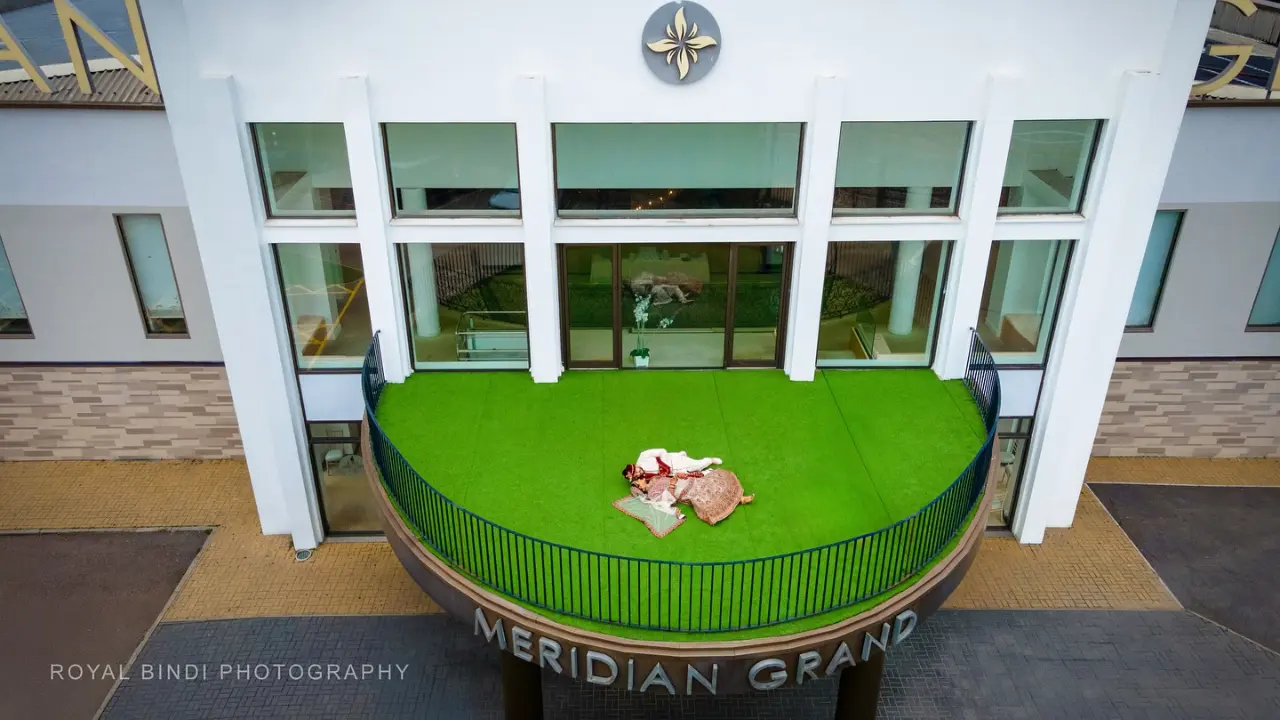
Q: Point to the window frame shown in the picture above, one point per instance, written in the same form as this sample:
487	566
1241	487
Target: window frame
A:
21	302
839	212
137	290
1267	327
517	214
401	252
1100	128
939	304
1043	362
298	369
751	214
263	180
1164	274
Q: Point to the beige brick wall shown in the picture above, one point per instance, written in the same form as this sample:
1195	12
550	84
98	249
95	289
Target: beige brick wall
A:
116	413
1205	408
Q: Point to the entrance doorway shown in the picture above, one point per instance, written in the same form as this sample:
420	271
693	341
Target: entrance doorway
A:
678	305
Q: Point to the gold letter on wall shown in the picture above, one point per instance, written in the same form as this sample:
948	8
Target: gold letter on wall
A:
12	50
69	17
1241	54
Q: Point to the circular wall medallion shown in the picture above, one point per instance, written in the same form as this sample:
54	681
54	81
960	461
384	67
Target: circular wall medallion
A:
681	42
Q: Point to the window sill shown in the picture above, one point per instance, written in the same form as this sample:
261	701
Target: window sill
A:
473	221
679	222
168	336
895	219
17	336
310	222
1039	217
1139	329
1262	328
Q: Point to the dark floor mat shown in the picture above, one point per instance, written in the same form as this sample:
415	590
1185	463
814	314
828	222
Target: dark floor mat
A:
81	601
1217	548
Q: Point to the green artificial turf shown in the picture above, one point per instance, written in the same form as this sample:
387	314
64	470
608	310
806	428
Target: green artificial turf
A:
848	454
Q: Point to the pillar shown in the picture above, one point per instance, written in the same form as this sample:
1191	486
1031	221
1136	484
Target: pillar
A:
373	214
858	697
979	203
521	689
817	190
538	211
906	282
422	279
214	152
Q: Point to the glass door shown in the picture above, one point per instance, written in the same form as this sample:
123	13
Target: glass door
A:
589	306
758	292
674	305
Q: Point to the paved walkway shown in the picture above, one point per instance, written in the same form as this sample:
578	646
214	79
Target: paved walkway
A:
987	664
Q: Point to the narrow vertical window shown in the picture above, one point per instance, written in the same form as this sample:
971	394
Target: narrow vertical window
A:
1155	267
151	270
1266	306
13	314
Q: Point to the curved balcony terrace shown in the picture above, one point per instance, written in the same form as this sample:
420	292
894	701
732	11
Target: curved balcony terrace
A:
864	482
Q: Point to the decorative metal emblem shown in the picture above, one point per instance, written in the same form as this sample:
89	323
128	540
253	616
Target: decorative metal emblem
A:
682	42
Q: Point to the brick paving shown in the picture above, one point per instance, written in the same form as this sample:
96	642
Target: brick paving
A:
1216	547
1184	471
241	572
960	664
1091	565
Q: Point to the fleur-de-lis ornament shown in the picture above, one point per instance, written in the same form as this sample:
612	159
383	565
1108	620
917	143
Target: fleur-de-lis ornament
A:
682	44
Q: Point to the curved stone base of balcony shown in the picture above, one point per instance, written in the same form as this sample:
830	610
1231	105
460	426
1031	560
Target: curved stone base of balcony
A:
852	647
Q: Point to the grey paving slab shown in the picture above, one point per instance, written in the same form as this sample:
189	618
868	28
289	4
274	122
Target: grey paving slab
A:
73	608
1217	548
961	664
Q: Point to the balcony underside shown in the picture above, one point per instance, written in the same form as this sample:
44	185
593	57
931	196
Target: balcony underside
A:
851	453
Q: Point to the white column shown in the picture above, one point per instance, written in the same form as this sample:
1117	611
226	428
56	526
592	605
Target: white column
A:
216	160
906	282
1128	180
422	278
373	212
981	198
817	192
537	210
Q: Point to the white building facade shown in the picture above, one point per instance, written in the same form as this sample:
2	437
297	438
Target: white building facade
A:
864	183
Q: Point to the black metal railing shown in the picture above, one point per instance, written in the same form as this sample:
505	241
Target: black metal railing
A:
684	596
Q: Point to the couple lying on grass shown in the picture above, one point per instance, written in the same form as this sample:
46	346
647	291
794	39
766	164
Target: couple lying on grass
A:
660	480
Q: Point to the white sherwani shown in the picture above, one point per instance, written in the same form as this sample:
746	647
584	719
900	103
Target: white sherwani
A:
652	462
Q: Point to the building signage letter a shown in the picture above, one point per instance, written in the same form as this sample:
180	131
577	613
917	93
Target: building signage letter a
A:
11	49
70	18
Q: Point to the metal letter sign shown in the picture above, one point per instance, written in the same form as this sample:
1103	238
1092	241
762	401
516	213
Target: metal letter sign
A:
681	42
1239	54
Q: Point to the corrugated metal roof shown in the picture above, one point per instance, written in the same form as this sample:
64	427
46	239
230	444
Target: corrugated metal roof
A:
111	89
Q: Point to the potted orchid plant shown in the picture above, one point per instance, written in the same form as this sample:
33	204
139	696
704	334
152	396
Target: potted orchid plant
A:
640	353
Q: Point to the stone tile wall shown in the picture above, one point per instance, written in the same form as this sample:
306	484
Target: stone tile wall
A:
1201	408
116	413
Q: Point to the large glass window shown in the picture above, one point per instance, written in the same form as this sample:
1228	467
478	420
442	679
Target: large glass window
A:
346	500
898	168
453	169
467	305
1020	300
1155	266
304	169
151	270
1266	307
880	302
693	169
327	303
13	314
1048	165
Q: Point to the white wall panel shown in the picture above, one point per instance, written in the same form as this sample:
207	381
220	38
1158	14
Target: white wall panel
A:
332	397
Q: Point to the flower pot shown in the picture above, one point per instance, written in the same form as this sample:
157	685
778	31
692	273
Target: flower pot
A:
642	361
